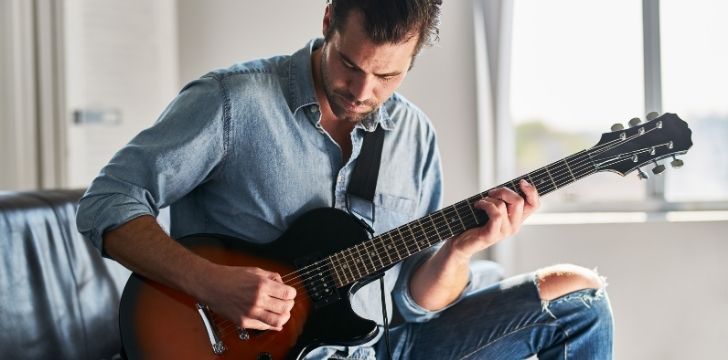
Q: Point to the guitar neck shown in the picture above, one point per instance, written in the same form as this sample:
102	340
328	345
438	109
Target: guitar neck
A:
370	257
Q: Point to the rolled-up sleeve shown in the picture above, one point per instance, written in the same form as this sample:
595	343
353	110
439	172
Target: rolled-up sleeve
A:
408	308
430	200
186	146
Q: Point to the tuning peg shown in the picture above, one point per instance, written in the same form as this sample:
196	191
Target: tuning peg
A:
642	175
676	163
658	169
617	127
634	122
652	116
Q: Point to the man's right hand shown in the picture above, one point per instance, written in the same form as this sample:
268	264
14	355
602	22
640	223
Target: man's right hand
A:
250	297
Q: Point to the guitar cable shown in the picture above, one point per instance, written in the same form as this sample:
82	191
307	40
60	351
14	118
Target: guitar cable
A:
385	320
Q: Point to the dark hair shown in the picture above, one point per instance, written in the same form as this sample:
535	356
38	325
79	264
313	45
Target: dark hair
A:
391	21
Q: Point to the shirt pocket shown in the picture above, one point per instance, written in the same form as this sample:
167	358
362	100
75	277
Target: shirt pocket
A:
392	211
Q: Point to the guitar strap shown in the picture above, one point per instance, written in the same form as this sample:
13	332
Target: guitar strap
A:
364	177
363	183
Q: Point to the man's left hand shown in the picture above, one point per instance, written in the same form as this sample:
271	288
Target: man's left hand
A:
506	211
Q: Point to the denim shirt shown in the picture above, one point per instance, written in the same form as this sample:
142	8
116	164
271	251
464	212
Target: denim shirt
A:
241	152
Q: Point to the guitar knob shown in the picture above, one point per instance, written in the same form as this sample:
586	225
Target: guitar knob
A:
617	127
634	122
676	163
642	175
658	169
652	116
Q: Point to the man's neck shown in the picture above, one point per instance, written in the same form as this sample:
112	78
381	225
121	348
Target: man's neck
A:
339	129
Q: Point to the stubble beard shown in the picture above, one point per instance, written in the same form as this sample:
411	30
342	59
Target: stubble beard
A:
332	96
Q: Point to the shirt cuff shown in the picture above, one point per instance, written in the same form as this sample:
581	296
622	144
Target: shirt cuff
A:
98	214
407	306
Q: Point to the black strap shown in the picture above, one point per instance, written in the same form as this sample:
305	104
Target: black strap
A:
363	182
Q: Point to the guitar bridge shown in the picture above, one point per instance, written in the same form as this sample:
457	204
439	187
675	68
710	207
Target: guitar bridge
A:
218	347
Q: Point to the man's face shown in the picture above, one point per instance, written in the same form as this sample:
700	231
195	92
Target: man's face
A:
359	75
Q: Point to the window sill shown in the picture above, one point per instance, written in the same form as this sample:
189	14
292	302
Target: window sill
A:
603	217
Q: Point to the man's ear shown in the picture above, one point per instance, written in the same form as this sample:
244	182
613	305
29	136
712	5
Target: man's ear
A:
327	20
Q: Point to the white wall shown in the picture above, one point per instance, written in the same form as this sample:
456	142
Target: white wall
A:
667	281
217	33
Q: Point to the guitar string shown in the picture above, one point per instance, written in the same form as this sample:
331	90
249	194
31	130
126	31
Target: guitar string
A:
305	270
579	167
358	255
557	177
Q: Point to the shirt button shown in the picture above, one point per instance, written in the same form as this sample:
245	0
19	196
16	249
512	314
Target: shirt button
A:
314	108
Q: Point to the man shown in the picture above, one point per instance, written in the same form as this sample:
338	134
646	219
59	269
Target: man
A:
244	151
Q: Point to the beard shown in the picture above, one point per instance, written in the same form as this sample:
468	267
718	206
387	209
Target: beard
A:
341	100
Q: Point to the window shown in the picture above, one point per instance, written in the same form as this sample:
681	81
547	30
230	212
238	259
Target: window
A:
578	67
695	85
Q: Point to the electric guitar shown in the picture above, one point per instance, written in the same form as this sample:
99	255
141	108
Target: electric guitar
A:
326	254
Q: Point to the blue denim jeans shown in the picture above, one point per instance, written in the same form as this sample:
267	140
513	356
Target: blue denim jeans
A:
508	320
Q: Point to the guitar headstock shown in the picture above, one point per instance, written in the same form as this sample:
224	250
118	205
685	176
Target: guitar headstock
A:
625	150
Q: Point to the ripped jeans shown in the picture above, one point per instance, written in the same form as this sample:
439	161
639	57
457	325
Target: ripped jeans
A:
508	320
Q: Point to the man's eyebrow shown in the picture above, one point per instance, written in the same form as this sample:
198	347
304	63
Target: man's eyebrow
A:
355	66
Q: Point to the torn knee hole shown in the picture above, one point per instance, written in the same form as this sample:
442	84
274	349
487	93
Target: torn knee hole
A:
555	283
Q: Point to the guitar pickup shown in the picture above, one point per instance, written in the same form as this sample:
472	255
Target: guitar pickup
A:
318	281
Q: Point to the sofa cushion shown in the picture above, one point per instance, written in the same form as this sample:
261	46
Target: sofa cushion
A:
58	297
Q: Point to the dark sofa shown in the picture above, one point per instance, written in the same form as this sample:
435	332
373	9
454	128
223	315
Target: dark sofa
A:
58	297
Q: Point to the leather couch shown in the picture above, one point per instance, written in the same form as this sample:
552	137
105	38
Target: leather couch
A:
58	297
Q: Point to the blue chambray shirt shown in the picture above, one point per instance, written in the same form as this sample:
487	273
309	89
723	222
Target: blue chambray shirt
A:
241	152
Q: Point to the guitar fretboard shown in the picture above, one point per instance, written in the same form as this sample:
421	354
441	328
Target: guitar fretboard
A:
370	257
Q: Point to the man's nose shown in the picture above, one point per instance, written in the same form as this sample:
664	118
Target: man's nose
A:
362	87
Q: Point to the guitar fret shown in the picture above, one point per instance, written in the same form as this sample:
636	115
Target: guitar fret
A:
379	247
457	212
434	226
541	182
348	256
455	208
569	168
424	237
346	266
383	252
414	238
472	212
358	260
337	275
550	177
396	248
369	256
375	254
403	240
442	215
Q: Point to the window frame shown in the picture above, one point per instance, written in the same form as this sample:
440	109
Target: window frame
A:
496	132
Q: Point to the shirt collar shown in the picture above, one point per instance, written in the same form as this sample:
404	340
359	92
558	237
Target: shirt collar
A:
301	91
